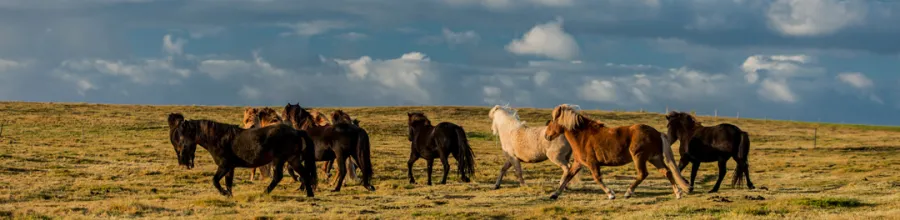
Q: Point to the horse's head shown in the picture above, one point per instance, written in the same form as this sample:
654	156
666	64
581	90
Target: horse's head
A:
681	126
268	116
491	112
562	119
183	135
250	118
416	120
319	118
296	114
339	116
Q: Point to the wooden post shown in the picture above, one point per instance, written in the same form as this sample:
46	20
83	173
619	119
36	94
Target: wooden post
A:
738	115
815	136
1	129
716	114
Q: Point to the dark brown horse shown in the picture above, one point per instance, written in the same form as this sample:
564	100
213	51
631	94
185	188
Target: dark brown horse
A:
232	146
441	141
707	144
595	145
338	141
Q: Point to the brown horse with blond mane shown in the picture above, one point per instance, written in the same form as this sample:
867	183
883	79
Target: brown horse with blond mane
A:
595	145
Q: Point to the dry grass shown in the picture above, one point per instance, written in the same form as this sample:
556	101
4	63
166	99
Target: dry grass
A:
123	166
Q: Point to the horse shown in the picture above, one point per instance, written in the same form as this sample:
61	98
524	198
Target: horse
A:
321	120
338	117
319	117
707	144
254	118
595	145
521	143
339	141
232	146
441	141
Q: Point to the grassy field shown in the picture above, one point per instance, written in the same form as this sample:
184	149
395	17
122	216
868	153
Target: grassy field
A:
88	161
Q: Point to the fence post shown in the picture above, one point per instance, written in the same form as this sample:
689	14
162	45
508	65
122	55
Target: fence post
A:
815	136
1	129
738	115
716	114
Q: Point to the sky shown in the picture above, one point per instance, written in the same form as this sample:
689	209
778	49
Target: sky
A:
811	60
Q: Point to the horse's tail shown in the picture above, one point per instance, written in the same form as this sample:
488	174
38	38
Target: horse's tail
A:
363	156
742	168
309	159
466	159
669	159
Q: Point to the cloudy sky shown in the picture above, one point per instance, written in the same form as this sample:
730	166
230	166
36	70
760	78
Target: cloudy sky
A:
813	60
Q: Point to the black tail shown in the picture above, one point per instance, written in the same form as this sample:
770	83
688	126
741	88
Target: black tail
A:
466	159
742	161
363	156
309	160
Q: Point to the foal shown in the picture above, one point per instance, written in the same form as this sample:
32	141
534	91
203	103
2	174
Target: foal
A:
707	144
521	143
595	145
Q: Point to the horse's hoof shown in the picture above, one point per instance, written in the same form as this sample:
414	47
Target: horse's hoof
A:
627	194
371	188
554	197
497	187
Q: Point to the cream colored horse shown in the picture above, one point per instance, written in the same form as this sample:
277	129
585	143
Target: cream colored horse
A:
521	143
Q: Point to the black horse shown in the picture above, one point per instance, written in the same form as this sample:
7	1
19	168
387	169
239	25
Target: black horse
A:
441	141
339	141
707	144
232	146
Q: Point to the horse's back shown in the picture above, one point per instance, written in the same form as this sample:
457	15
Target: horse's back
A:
531	146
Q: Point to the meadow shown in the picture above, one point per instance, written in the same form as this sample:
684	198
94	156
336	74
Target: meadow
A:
89	161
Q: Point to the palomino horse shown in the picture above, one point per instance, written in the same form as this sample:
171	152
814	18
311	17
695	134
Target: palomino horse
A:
441	141
595	145
521	143
231	146
339	141
707	144
255	118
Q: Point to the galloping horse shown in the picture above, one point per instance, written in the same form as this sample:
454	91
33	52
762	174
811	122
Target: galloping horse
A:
340	141
521	143
595	145
231	146
707	144
441	141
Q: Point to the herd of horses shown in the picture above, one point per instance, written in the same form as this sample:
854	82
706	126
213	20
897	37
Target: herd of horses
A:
297	138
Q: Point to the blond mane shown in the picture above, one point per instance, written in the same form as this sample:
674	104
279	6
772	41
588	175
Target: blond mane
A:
504	117
319	118
568	116
250	120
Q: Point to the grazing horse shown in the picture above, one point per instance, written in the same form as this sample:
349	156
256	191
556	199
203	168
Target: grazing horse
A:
707	144
441	141
521	143
255	118
339	141
595	145
232	146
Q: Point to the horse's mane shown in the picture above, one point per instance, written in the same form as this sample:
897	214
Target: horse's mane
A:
569	116
681	117
250	117
266	115
340	117
174	119
319	118
510	118
418	116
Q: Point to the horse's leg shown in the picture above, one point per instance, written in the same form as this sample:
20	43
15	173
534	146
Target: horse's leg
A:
723	162
502	172
327	169
409	165
595	171
562	160
682	163
266	171
229	180
279	173
641	165
518	165
218	176
252	173
296	165
446	162
351	167
694	167
429	167
572	171
660	165
745	166
342	170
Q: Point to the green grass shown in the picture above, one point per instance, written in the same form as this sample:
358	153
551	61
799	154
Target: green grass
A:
92	161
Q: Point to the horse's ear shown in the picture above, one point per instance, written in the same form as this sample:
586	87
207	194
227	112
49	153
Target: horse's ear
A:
175	119
409	114
667	117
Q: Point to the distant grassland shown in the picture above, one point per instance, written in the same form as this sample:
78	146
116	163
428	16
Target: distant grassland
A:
88	161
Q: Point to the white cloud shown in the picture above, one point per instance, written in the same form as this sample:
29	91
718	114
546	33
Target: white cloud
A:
205	32
541	77
641	97
8	65
855	79
548	39
402	77
814	17
224	69
352	36
144	72
249	92
173	46
462	37
598	91
491	95
310	28
776	90
507	4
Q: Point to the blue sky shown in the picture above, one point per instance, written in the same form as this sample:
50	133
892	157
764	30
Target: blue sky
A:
823	60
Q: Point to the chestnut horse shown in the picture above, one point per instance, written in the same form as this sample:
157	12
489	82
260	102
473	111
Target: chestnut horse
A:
707	144
441	141
595	145
232	146
340	141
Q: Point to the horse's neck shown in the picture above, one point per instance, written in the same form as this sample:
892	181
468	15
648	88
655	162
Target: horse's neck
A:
213	134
